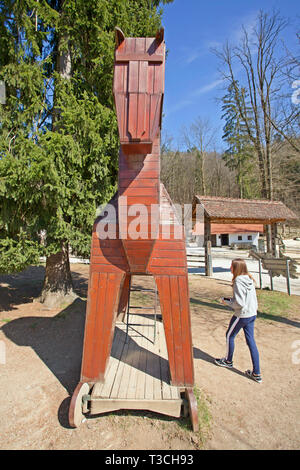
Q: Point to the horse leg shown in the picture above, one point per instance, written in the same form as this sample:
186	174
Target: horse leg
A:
174	301
124	298
103	298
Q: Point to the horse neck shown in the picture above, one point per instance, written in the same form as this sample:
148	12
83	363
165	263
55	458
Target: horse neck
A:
139	176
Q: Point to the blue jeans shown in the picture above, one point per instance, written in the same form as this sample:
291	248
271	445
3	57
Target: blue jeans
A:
247	324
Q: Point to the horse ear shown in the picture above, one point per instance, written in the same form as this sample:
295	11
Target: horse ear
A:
119	35
160	35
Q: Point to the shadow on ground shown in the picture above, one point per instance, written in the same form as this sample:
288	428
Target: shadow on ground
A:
216	269
21	288
56	340
24	287
278	318
203	356
263	315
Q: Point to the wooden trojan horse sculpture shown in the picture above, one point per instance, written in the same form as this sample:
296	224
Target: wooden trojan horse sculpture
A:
138	92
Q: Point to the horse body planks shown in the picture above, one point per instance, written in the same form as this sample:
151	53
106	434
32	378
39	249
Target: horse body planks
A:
159	248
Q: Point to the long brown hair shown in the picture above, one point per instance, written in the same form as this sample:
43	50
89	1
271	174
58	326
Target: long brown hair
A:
239	268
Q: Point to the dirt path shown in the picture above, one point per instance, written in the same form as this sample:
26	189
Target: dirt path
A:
43	355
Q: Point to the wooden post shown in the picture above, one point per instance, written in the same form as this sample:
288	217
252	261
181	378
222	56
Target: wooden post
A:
273	240
271	279
288	276
209	259
267	232
207	245
260	276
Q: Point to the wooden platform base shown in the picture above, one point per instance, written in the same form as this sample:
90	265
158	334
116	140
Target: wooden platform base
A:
138	376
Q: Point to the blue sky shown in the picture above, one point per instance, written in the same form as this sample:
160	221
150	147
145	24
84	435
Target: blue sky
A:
192	29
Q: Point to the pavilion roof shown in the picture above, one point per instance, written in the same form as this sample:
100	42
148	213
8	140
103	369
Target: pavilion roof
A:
228	210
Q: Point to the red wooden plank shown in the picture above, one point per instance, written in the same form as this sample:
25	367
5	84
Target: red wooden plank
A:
129	46
138	166
121	106
166	262
138	245
141	130
133	113
143	77
125	182
108	325
140	46
140	174
135	158
157	84
142	200
158	58
187	343
151	68
91	312
105	268
101	244
133	77
97	335
169	245
126	220
114	260
166	270
177	331
152	191
97	251
170	254
136	147
164	291
137	269
119	77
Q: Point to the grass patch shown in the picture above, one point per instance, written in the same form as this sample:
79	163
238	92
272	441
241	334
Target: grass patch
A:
204	418
277	303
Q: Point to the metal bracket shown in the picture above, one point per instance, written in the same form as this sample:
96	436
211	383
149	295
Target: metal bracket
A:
86	398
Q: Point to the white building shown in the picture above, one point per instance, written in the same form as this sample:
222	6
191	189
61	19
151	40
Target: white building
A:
229	234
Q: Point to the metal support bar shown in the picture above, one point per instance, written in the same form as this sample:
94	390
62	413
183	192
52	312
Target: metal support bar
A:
260	275
288	276
86	398
143	308
271	279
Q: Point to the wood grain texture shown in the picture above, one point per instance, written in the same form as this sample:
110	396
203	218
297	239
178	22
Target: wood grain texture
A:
138	375
102	304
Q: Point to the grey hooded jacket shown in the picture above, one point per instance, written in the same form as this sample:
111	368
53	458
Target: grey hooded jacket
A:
244	301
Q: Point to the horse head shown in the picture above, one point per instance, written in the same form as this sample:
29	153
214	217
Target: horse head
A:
138	90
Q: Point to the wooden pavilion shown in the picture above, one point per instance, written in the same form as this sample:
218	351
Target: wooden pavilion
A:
219	210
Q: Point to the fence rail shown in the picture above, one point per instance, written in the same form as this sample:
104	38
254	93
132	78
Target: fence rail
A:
276	267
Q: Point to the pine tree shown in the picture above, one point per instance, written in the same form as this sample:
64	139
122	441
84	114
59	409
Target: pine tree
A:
239	156
58	130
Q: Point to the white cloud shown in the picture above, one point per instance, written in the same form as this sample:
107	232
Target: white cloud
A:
178	106
206	88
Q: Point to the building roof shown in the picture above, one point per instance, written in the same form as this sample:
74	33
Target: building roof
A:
227	210
217	229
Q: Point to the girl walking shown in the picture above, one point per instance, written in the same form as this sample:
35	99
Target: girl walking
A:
244	304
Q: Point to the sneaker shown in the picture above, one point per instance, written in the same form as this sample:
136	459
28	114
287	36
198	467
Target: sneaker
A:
224	363
256	378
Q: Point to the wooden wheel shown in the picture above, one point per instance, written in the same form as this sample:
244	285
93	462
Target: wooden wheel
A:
75	411
193	408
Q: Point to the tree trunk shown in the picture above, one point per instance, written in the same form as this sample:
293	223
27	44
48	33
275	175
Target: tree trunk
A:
203	175
58	285
263	177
